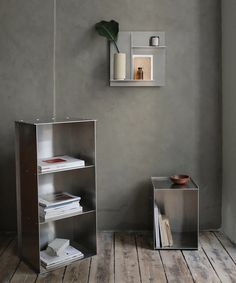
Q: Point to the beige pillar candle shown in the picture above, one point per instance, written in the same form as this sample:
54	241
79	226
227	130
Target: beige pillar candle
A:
119	66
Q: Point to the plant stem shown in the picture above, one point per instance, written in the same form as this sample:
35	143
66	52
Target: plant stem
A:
116	46
112	38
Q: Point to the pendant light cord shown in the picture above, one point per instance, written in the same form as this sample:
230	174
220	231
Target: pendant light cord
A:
54	55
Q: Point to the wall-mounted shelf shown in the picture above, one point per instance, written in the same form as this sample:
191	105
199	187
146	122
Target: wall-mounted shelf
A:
132	83
136	81
134	43
149	47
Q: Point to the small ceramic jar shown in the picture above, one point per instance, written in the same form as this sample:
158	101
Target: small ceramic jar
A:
155	41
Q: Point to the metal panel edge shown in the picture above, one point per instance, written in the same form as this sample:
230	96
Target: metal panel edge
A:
18	200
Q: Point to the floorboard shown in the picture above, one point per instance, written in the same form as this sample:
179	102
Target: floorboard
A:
228	245
151	268
218	257
126	259
175	267
52	277
102	265
129	258
24	274
200	267
77	272
4	243
9	262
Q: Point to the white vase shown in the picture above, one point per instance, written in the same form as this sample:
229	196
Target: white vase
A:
119	66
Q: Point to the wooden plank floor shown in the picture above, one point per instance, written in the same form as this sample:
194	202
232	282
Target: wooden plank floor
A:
128	257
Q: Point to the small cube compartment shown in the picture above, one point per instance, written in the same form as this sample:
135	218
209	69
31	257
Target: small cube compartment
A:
73	139
78	182
80	230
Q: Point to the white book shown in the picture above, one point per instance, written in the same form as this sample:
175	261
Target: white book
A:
61	213
45	210
59	162
71	253
157	226
57	199
57	247
61	264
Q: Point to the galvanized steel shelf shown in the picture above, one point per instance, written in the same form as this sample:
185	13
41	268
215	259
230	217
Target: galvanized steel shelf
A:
40	139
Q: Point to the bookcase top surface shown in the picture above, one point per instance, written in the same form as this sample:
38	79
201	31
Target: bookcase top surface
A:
164	183
55	121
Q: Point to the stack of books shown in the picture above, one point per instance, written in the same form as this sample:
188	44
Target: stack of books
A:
59	253
58	204
163	235
58	163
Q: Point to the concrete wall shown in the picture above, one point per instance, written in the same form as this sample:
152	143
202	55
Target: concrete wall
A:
26	41
142	132
229	117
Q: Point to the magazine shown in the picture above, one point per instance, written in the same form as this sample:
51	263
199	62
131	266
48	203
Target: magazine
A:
57	199
50	215
44	210
59	162
49	261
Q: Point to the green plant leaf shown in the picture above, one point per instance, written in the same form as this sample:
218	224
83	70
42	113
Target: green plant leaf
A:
109	30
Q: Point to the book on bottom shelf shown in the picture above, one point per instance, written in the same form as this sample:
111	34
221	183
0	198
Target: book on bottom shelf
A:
50	262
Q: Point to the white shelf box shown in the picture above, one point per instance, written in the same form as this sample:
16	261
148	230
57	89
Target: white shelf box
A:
138	43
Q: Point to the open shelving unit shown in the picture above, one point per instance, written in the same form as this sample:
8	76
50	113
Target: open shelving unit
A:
137	43
181	205
43	139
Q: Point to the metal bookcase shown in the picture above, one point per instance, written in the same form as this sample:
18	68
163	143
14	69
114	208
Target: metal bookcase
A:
181	205
41	139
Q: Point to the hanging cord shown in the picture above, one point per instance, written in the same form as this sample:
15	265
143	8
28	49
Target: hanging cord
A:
54	55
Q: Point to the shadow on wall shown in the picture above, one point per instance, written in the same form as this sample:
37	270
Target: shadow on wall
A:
210	139
139	197
8	183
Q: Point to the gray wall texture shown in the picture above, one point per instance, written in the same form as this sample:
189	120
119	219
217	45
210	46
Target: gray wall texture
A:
142	132
229	117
